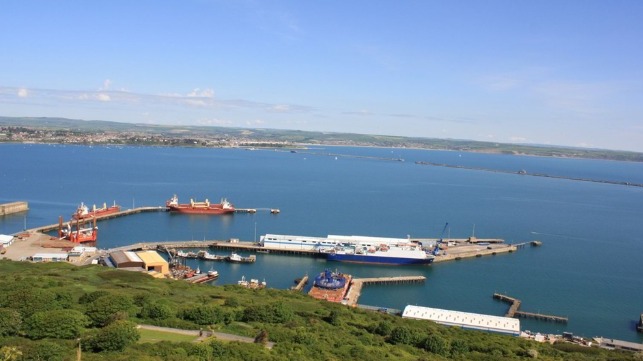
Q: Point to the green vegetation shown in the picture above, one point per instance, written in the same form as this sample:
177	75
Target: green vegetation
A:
48	310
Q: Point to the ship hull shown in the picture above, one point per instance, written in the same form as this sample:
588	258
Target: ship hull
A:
371	259
195	210
97	213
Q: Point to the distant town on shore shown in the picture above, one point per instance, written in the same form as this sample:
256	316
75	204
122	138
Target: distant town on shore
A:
94	132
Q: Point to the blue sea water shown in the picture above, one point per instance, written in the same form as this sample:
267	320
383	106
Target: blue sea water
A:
588	269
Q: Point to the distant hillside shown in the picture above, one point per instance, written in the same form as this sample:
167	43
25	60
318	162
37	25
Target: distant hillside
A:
200	135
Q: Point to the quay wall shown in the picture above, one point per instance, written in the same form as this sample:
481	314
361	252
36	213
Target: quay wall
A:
13	207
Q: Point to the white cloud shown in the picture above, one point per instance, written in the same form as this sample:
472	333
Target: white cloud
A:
103	97
280	108
23	92
205	93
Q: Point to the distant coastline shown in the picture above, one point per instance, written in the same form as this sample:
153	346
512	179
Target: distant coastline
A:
82	132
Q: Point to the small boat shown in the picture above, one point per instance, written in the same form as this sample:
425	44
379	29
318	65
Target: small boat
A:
213	273
236	258
252	284
206	256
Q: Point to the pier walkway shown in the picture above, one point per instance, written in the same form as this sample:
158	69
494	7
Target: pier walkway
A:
515	305
355	290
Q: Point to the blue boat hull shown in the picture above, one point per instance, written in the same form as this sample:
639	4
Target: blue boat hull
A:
358	258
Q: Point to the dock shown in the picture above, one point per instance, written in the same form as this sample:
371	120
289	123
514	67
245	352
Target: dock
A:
515	305
13	207
127	212
355	289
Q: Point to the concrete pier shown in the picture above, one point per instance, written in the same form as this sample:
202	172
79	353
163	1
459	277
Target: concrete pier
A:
13	207
355	290
515	305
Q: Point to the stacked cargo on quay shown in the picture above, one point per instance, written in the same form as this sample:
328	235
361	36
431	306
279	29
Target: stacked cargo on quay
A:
224	207
357	249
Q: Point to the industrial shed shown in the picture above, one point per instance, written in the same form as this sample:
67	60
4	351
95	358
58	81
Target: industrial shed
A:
474	321
154	262
49	257
126	259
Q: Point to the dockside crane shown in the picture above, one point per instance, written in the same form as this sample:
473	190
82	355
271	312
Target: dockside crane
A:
436	249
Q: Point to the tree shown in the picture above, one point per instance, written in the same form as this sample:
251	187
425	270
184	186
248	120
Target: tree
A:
383	328
65	324
436	345
29	300
401	335
114	337
157	311
105	309
202	315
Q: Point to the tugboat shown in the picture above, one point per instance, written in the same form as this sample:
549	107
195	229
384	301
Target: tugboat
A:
224	207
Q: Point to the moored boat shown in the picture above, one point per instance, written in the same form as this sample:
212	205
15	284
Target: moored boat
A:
224	207
330	286
400	254
83	211
359	249
236	258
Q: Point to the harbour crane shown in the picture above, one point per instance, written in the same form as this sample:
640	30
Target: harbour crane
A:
436	249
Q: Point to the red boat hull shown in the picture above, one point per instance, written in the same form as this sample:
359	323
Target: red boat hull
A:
97	213
188	209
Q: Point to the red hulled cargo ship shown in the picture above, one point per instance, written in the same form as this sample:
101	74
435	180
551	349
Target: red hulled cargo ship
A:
173	205
84	212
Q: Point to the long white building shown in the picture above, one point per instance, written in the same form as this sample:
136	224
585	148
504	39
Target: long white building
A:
468	320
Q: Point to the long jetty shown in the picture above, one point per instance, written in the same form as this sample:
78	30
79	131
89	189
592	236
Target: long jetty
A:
515	305
126	212
525	173
355	290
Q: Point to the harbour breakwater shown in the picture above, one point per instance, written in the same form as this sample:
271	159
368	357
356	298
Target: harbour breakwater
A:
526	173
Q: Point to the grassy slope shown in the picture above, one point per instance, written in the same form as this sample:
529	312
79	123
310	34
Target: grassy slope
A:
309	335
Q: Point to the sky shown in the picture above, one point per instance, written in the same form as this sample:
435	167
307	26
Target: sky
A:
544	72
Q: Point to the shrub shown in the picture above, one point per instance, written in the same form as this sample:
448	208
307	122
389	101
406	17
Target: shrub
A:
114	337
105	309
65	324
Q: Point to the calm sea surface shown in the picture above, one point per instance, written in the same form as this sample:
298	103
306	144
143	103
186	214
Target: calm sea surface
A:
588	269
